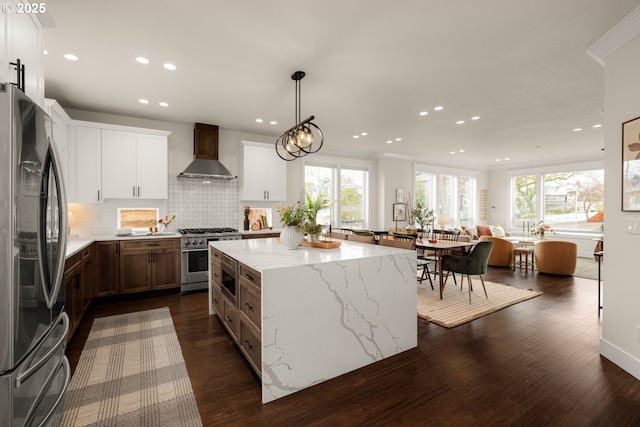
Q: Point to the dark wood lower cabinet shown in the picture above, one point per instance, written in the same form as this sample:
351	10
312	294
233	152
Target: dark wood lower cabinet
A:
147	265
78	275
106	269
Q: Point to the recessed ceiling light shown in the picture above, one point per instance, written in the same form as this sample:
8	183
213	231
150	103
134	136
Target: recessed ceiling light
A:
273	122
163	104
423	113
143	101
460	122
577	129
507	158
45	51
438	108
169	66
596	126
389	142
398	139
142	60
460	151
71	57
452	152
475	117
259	120
363	133
497	160
356	136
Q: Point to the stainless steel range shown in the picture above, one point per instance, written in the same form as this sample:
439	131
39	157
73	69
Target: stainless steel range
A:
195	254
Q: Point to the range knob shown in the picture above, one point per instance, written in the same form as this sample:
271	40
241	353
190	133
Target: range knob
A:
187	243
201	242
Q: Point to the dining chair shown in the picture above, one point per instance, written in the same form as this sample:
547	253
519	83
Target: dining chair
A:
403	243
423	264
336	235
473	263
361	238
446	235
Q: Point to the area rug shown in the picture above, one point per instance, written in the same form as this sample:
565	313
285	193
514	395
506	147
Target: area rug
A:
454	308
131	373
587	268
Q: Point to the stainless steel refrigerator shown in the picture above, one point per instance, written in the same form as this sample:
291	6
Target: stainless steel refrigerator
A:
34	372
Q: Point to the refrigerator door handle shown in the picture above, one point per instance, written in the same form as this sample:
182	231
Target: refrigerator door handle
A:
41	395
26	374
62	232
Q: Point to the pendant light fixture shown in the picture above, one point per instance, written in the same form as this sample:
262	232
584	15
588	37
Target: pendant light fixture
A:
303	138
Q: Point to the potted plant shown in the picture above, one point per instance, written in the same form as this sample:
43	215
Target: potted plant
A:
312	207
291	217
423	216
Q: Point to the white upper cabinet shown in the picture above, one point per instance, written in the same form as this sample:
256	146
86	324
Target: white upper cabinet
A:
264	174
21	39
59	129
134	165
88	165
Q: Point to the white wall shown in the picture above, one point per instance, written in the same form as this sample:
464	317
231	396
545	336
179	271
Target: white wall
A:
621	289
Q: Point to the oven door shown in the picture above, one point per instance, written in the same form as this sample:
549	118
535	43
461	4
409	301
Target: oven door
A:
195	265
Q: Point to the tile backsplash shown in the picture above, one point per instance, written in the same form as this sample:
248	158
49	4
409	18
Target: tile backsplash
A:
195	204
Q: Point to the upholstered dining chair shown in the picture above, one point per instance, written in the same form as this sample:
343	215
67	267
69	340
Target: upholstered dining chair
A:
473	263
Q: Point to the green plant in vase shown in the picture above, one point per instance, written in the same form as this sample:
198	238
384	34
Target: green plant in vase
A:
422	215
312	207
292	215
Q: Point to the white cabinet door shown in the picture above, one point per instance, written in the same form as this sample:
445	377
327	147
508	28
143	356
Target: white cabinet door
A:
264	174
88	164
118	164
23	42
151	166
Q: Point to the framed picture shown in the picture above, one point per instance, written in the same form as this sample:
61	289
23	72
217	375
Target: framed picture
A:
399	195
631	165
399	212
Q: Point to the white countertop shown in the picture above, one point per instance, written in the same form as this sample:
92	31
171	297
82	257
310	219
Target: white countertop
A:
262	254
76	244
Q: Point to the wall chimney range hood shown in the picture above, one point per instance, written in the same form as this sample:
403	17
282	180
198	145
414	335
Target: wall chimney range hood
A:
205	164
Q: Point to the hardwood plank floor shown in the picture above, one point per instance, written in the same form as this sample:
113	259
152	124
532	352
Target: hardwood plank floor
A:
532	364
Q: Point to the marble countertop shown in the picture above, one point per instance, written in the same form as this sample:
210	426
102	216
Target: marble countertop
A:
262	254
76	244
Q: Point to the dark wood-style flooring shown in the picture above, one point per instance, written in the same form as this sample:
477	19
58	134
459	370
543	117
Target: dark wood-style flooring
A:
532	364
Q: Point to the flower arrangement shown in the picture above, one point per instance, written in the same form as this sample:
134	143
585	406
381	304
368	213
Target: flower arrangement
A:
247	211
166	221
541	229
291	215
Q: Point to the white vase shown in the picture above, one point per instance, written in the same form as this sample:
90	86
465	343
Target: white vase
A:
291	238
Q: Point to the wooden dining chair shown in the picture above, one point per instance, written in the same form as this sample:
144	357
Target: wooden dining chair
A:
361	238
446	235
402	243
336	235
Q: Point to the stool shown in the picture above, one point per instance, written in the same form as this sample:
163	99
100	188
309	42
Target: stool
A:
517	258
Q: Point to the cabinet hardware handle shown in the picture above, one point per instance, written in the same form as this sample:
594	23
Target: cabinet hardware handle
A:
248	344
98	195
215	301
20	74
268	195
134	191
249	306
228	319
138	191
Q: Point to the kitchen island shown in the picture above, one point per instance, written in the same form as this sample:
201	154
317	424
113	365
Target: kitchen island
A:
304	316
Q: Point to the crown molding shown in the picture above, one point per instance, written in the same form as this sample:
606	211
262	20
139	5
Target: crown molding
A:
625	31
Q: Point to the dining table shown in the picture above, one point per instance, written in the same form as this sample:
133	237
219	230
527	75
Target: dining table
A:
439	247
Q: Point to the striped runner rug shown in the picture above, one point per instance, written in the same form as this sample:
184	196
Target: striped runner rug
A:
131	373
454	308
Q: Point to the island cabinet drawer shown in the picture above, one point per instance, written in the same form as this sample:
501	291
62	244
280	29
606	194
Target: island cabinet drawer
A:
230	318
250	275
251	346
216	255
216	299
250	302
216	272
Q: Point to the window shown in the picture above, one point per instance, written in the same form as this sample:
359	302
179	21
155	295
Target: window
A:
569	200
347	187
447	193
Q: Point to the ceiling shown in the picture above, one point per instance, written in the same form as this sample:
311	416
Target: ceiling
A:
371	67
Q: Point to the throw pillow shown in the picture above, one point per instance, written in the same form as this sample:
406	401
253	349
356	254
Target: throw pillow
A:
484	230
472	231
498	231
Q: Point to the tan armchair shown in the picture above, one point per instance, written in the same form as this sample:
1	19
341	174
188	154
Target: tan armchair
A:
556	257
502	252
